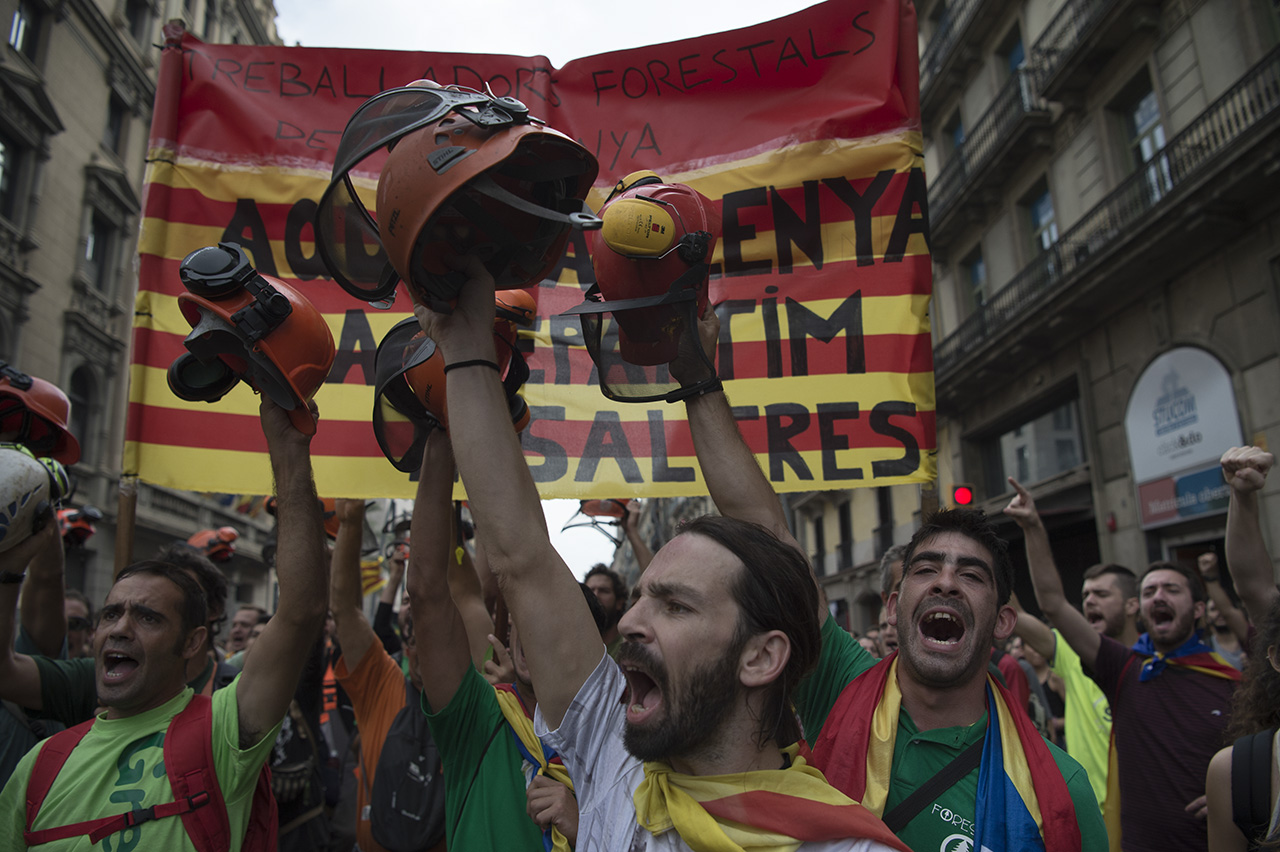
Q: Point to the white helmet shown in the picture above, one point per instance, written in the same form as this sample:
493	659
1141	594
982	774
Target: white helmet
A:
29	488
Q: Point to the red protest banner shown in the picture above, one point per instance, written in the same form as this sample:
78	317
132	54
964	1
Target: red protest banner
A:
804	130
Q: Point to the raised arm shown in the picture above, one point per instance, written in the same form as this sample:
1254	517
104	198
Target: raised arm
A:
557	632
468	597
1245	470
384	618
631	526
439	631
271	673
355	634
19	677
1034	632
44	613
1046	581
1210	573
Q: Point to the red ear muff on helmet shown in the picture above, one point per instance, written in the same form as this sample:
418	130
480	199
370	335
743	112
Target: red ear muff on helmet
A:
252	327
36	414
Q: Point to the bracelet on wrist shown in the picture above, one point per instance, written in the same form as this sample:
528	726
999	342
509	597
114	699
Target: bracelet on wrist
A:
474	362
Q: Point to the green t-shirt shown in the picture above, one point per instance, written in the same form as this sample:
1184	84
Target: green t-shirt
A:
68	689
1088	716
485	775
918	756
119	765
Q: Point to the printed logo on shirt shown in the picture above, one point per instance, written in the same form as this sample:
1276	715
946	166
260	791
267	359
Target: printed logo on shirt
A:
957	843
132	769
961	822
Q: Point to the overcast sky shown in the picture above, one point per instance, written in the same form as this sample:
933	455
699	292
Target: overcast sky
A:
561	30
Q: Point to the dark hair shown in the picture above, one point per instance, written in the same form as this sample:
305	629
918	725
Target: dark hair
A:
1199	594
973	524
194	611
211	580
1256	706
619	586
77	595
1125	579
774	591
891	556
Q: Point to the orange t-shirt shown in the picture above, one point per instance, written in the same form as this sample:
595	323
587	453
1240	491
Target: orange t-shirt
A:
377	693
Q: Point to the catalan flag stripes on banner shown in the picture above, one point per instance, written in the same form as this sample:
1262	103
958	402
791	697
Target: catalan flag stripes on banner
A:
805	130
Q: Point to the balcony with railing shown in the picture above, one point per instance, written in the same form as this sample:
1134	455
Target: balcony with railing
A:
1214	176
955	44
1013	126
1083	35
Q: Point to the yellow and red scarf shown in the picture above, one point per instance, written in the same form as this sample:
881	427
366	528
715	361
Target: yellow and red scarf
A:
535	752
1023	800
771	810
1193	655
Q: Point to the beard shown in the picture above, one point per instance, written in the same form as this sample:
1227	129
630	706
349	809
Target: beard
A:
936	670
694	710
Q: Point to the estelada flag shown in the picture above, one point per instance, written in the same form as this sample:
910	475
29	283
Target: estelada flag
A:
805	130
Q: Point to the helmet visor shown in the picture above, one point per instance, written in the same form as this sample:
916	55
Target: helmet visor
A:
346	232
646	350
401	421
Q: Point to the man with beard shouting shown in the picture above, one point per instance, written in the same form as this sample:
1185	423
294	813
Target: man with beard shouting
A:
1170	696
702	754
927	738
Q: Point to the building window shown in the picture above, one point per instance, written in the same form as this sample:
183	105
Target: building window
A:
1146	141
1044	226
113	134
24	29
819	547
9	155
884	512
844	515
1035	450
138	14
81	394
210	19
100	253
973	272
1011	52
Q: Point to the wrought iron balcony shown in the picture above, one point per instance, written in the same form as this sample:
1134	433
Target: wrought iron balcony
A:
993	148
1081	36
937	63
1213	161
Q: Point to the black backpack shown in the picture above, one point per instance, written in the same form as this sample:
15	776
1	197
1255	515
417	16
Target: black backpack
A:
406	809
1251	785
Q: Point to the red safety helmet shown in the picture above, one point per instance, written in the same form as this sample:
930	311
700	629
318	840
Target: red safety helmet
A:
219	545
651	260
465	173
599	514
251	327
76	525
35	413
409	380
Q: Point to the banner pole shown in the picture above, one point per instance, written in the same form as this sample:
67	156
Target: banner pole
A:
126	522
928	498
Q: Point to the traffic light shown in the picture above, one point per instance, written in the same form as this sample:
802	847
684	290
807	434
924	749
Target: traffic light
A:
962	494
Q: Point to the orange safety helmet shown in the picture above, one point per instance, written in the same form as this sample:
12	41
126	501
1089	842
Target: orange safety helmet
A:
599	514
409	380
651	260
76	525
35	413
251	327
219	545
465	173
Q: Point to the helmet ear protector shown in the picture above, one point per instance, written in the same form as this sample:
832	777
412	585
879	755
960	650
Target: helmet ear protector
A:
458	172
652	262
251	327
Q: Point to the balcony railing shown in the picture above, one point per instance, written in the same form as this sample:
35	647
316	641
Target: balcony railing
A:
1015	100
1065	33
936	53
1235	114
844	555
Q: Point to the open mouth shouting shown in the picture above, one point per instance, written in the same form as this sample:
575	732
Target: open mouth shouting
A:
117	666
644	683
942	628
1161	617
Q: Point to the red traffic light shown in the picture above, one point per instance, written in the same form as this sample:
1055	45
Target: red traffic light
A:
962	495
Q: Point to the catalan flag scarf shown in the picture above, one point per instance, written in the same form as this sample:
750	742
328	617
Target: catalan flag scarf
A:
536	752
1194	655
1023	802
770	810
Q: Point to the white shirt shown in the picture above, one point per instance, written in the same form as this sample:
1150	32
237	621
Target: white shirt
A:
605	775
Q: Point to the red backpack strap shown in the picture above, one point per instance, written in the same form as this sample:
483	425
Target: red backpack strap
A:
188	761
49	762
